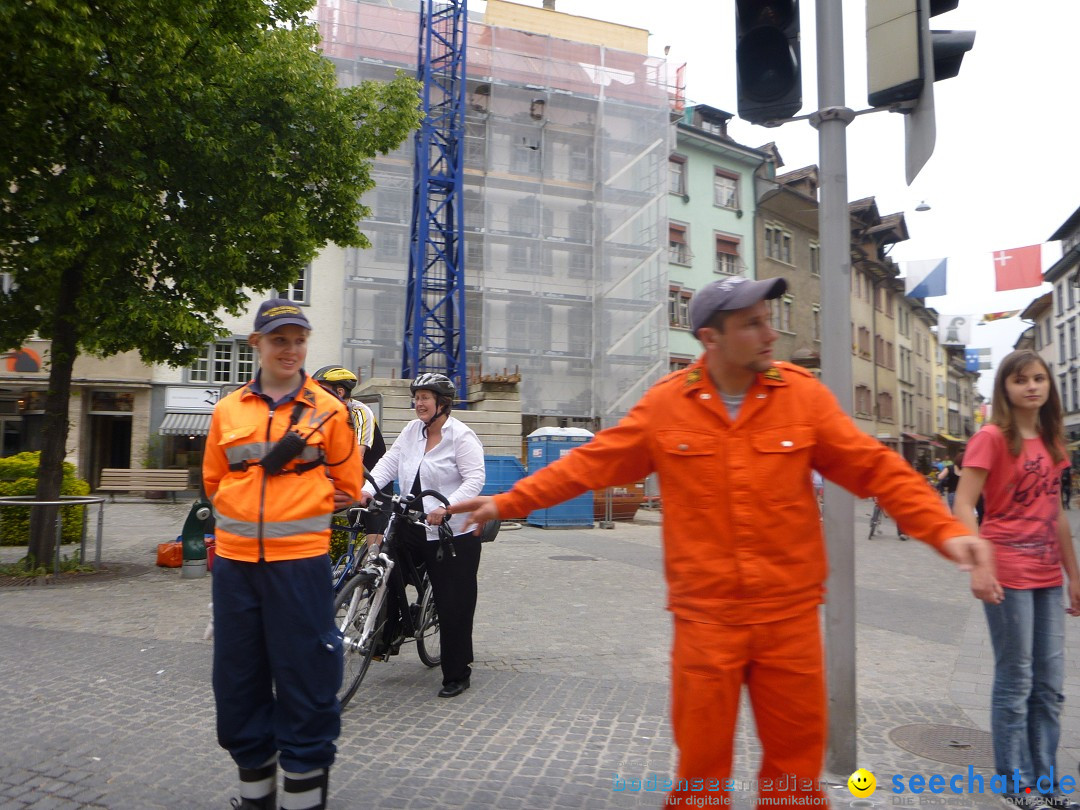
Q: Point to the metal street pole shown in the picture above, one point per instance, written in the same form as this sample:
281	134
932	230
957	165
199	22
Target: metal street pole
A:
831	121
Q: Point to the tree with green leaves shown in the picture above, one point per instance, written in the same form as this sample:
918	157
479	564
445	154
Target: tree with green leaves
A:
159	157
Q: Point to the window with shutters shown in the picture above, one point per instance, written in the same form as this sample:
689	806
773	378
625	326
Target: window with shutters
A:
725	189
727	255
679	243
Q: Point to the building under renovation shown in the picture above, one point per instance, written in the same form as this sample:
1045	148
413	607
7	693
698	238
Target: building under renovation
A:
565	157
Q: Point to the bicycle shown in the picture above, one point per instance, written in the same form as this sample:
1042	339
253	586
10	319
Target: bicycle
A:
875	520
359	527
344	567
361	607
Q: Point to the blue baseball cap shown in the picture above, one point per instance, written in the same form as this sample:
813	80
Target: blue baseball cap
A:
279	312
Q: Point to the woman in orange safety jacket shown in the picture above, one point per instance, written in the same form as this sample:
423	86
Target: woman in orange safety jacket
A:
280	459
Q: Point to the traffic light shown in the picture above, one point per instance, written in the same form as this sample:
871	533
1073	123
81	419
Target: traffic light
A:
903	60
767	59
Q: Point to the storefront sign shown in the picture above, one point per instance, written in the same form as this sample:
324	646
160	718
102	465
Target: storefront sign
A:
191	399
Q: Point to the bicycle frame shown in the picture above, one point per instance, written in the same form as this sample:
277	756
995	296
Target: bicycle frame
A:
383	565
381	568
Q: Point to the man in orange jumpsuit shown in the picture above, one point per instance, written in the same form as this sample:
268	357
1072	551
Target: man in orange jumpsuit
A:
733	439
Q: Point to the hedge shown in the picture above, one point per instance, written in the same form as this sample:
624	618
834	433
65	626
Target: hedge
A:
18	476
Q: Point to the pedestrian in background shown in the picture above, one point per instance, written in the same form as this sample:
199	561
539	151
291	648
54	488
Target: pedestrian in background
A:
340	382
1015	463
734	438
281	457
1066	487
948	478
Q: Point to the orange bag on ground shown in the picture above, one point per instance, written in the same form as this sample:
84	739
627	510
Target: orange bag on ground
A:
170	555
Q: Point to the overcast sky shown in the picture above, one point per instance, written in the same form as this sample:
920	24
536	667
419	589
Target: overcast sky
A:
1006	167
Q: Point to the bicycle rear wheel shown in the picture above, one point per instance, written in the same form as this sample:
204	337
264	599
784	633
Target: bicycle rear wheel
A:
428	637
351	608
875	518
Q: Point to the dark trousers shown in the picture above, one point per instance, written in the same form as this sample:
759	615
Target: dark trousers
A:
277	662
454	581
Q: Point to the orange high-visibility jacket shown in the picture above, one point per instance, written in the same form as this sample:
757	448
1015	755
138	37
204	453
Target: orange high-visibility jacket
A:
284	516
743	540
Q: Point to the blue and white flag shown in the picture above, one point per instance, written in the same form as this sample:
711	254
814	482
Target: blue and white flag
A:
925	279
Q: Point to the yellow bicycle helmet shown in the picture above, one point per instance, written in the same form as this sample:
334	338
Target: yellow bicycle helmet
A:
335	376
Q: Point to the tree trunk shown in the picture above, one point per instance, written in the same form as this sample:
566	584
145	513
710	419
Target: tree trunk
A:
64	349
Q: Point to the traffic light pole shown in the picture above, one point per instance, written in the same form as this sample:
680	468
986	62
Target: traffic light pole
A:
834	228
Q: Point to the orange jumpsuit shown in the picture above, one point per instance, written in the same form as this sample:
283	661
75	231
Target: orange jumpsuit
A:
744	553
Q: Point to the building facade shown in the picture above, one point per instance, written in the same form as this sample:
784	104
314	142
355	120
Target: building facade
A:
565	210
873	320
711	216
788	247
1064	274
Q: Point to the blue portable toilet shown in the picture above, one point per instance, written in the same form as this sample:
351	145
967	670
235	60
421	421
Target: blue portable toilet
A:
549	444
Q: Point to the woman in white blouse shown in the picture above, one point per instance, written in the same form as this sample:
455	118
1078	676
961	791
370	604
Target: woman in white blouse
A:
437	451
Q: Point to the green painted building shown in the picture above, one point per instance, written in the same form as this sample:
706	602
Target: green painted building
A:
711	206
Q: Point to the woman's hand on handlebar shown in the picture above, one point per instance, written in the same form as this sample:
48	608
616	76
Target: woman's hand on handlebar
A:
437	516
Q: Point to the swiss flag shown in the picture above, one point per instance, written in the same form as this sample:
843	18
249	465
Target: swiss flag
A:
1018	268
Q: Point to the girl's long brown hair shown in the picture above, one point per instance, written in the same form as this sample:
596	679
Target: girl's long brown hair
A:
1051	420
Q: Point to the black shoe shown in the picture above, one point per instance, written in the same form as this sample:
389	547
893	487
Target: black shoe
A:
454	688
393	649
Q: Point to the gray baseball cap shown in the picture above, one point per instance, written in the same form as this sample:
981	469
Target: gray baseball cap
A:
731	293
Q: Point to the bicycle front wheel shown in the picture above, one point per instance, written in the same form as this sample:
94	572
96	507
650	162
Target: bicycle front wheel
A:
351	608
428	637
875	518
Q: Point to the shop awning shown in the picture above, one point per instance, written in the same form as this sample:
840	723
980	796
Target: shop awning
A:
950	438
918	437
185	424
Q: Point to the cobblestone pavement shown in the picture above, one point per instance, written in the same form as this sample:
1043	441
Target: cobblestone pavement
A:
105	682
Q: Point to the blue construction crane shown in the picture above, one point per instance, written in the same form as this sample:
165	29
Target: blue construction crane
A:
435	308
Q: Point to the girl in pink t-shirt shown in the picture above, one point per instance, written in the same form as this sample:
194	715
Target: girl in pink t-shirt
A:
1015	463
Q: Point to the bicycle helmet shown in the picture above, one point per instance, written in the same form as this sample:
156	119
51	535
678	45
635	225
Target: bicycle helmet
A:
334	376
437	383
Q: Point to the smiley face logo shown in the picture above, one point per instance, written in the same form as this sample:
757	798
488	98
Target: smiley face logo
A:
862	783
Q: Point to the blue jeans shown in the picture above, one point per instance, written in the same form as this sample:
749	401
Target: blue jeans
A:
1028	634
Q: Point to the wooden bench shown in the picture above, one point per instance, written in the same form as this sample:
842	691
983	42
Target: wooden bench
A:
120	480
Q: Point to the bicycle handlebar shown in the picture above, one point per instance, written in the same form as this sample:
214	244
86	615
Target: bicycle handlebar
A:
399	504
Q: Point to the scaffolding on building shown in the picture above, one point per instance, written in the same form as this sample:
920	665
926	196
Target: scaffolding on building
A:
565	157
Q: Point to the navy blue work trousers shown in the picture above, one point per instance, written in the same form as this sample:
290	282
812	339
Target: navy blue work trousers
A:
277	662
